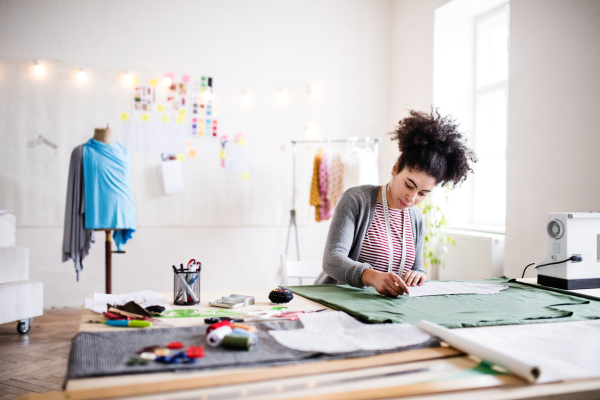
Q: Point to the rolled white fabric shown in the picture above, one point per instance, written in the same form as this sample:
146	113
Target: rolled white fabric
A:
215	337
520	368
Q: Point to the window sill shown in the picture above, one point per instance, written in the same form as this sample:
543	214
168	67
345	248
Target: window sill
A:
495	229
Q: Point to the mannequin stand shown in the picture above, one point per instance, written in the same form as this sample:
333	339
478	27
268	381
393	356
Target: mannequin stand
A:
108	258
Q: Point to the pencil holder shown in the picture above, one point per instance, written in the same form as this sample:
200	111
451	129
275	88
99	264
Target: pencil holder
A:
186	288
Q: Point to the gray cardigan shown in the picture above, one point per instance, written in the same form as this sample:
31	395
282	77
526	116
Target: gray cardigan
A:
351	220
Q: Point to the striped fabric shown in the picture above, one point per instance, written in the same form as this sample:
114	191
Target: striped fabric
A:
375	249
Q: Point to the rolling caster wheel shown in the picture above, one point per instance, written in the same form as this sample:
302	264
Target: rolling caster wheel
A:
24	325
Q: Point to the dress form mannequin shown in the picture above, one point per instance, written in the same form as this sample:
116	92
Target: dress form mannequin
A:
103	135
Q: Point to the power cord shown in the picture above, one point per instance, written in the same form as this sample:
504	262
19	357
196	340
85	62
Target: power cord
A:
573	258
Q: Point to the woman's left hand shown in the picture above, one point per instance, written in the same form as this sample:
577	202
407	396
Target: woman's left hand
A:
414	278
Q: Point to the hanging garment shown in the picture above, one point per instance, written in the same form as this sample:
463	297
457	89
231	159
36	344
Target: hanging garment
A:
315	195
325	210
77	240
109	200
335	184
360	167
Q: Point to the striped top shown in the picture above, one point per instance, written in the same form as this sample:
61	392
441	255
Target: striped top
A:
375	249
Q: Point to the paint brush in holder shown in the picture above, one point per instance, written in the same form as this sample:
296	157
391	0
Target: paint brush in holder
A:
186	284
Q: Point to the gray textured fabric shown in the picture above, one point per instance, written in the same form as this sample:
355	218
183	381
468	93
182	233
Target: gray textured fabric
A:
95	354
351	220
77	240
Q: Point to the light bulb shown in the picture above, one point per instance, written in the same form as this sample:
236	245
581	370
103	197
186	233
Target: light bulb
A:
282	96
245	98
81	75
167	81
128	78
39	70
207	95
315	91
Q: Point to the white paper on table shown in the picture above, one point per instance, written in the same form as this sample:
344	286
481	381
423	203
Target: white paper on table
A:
443	288
562	351
235	158
144	298
337	332
172	174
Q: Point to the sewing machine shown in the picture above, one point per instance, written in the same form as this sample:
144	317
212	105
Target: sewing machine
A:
572	260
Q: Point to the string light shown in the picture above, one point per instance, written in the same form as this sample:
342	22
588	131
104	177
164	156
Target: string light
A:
81	76
39	70
128	78
245	98
207	95
315	91
282	96
167	81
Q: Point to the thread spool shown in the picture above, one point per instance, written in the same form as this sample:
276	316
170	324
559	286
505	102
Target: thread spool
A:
217	326
245	327
237	342
215	337
245	333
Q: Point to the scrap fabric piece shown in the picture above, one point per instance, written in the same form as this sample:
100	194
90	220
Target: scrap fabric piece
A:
77	240
315	195
325	210
337	332
519	304
109	199
335	184
106	353
436	288
144	298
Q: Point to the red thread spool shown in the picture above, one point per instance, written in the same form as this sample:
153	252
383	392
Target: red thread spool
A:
218	325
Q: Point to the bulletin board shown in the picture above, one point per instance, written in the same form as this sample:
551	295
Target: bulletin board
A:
65	111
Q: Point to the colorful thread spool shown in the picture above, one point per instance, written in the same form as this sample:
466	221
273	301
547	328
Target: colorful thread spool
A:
237	342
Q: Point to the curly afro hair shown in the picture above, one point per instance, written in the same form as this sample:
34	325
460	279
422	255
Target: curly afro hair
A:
432	144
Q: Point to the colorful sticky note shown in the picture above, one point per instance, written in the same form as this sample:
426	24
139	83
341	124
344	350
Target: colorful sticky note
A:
165	118
160	107
242	142
222	154
203	78
136	80
246	176
124	117
185	78
179	120
182	112
169	75
238	135
145	117
214	121
200	133
192	153
153	82
195	120
189	144
180	157
215	134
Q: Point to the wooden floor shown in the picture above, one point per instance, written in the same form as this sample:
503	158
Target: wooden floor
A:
37	361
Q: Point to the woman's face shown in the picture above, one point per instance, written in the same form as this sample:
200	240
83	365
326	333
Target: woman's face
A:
409	188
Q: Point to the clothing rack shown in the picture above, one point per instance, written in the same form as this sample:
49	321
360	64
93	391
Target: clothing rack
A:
351	141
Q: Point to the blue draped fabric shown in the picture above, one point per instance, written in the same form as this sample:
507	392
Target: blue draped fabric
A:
108	196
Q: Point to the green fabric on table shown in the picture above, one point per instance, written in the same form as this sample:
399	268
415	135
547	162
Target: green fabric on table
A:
519	304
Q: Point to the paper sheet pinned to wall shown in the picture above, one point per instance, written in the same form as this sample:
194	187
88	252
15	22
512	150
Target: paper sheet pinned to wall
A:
446	288
155	137
172	173
235	159
337	332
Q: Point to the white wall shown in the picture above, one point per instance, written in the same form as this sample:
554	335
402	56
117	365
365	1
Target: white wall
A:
341	45
553	132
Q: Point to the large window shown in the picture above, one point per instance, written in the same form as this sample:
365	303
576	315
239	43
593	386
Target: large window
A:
490	117
471	84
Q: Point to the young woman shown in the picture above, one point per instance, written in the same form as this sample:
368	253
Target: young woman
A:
368	218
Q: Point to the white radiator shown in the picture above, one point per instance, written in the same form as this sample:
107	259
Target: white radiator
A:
475	256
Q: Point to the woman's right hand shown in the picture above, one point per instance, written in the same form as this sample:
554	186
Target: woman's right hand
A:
386	283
